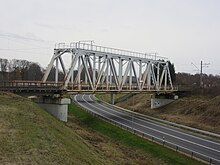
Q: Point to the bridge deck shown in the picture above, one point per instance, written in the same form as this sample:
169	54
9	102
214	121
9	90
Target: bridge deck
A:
38	87
32	87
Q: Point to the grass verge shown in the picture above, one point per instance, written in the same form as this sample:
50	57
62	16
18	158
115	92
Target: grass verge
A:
126	138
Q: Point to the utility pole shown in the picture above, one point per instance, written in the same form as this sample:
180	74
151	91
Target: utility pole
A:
201	81
201	74
202	65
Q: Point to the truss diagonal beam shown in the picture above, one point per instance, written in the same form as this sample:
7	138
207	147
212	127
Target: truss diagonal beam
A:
135	76
114	72
67	78
125	74
100	74
87	72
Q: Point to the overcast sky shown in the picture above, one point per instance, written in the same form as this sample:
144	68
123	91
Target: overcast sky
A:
184	31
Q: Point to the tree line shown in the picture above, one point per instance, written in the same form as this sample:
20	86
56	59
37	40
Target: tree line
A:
23	70
210	83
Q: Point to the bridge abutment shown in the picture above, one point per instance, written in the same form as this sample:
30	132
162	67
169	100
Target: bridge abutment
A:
57	107
158	101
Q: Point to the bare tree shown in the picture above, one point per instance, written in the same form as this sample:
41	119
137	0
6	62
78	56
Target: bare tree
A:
3	64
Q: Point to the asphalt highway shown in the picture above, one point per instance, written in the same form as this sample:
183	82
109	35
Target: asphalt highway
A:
182	140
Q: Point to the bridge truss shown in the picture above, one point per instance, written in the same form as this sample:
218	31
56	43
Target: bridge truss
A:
101	69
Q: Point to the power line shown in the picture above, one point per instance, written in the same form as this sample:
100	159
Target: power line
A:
20	51
195	66
22	42
24	38
3	49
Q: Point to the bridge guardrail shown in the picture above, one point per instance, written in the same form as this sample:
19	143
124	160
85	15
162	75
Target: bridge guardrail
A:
127	88
19	83
28	86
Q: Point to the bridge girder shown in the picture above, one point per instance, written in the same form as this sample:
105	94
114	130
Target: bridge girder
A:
108	69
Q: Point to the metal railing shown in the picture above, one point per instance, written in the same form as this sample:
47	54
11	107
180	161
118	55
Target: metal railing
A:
125	88
31	87
103	49
20	83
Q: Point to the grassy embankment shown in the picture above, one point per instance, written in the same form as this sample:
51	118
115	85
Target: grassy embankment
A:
29	135
135	143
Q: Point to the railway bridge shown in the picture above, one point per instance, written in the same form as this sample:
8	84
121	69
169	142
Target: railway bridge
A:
98	69
109	70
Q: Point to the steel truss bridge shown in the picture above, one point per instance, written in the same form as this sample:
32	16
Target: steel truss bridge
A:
101	69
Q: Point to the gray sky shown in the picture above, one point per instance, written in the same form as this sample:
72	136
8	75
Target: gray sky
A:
184	31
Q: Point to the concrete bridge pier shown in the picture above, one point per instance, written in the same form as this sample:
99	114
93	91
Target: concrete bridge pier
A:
112	98
57	107
162	100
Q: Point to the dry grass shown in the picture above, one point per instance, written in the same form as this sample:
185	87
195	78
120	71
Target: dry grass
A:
197	111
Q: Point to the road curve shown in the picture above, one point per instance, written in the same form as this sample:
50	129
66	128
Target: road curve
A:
182	140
